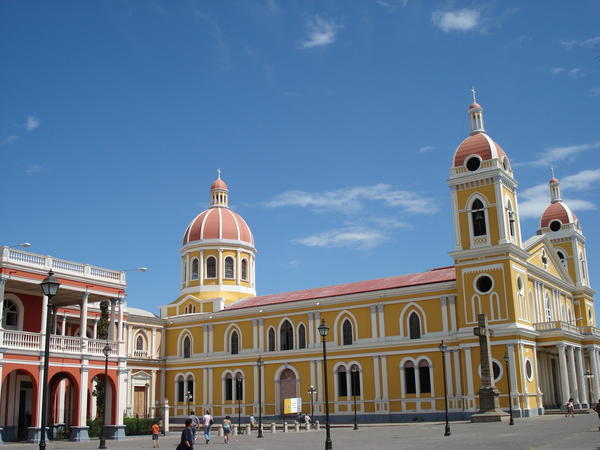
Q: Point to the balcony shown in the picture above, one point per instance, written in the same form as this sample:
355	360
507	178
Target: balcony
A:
74	345
558	325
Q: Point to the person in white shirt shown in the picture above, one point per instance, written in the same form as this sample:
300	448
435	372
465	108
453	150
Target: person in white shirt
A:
207	421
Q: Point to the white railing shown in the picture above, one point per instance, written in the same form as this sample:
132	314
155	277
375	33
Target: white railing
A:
556	325
24	340
21	340
141	354
24	258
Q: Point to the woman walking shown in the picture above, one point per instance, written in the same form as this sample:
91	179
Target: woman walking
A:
207	421
226	429
187	437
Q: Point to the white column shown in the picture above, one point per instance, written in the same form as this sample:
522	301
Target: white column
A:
121	392
469	371
83	315
220	267
373	323
254	334
536	370
95	329
210	339
163	380
311	330
201	268
63	325
581	382
595	372
130	343
500	212
153	347
60	400
523	377
381	322
153	394
376	380
83	398
572	374
444	311
238	265
564	376
449	372
43	321
111	326
384	377
205	339
452	302
3	281
457	377
129	394
121	304
261	334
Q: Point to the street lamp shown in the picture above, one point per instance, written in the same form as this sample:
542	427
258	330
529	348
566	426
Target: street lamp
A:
188	399
323	330
107	350
354	371
50	287
146	394
443	348
589	375
239	378
312	391
259	364
507	361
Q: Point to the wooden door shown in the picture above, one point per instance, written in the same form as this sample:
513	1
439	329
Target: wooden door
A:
139	401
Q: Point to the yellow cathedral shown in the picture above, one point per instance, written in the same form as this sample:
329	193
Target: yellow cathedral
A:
384	338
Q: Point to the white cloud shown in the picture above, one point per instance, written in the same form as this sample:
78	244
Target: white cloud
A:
586	43
353	199
595	92
426	148
557	70
535	199
457	20
561	153
34	168
9	140
392	4
576	72
360	238
321	32
32	123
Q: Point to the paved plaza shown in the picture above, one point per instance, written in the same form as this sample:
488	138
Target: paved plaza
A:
546	432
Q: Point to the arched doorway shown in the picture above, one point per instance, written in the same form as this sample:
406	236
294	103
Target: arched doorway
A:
287	387
17	404
64	395
95	398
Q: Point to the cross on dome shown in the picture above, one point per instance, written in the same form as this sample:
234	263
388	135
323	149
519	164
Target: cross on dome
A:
474	92
218	174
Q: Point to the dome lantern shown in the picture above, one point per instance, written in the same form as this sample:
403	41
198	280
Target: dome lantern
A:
476	115
219	192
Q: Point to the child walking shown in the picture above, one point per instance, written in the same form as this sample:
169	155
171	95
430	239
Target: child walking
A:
155	432
226	429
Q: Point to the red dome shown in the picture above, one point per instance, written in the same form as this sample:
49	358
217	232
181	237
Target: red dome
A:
219	184
557	211
475	105
479	144
553	180
218	223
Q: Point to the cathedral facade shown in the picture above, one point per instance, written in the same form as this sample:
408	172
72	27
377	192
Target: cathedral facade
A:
384	335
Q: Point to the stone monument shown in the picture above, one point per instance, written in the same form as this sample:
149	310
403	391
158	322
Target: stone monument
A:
489	406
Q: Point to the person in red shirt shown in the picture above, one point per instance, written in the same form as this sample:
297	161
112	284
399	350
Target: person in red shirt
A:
155	432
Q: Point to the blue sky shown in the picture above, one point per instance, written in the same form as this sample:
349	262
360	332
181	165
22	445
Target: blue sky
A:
334	123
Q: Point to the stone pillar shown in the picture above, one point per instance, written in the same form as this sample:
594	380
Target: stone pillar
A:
121	304
220	267
153	394
60	400
166	419
581	381
95	329
3	281
564	376
129	394
595	373
80	431
83	316
43	321
153	344
572	375
63	325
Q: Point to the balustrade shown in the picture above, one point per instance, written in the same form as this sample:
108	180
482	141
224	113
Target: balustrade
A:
24	340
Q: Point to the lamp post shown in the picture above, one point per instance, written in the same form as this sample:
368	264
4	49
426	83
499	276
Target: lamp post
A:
354	371
323	330
50	287
239	378
259	364
312	391
507	361
589	375
107	351
146	395
188	399
443	349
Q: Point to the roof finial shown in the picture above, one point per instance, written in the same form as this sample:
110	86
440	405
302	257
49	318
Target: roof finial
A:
219	174
474	92
552	170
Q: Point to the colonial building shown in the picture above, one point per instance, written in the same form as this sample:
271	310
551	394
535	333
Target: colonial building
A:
384	338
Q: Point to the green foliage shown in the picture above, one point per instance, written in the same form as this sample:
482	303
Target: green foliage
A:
99	394
94	427
103	322
135	426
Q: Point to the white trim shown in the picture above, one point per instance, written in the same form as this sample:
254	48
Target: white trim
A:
338	323
484	274
20	311
405	318
227	338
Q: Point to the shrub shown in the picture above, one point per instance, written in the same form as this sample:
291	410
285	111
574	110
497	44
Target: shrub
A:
94	427
137	426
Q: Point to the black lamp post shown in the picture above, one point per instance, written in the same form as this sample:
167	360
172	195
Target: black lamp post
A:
507	361
589	375
323	330
354	371
443	349
259	364
107	351
239	378
188	399
50	287
312	391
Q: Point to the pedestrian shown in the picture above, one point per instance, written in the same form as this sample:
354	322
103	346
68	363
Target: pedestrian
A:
187	437
307	420
252	422
570	408
195	422
207	421
226	429
155	431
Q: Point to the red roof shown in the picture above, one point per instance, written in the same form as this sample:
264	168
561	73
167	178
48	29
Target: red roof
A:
475	105
557	211
219	184
478	144
218	223
415	279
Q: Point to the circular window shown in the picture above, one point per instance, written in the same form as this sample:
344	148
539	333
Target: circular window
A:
484	284
505	163
473	163
528	370
555	225
520	286
496	370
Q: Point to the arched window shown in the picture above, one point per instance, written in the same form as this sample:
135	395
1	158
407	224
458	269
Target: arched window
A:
229	267
347	332
478	218
245	269
511	219
211	267
286	335
190	386
228	387
409	378
342	382
139	343
562	258
234	343
195	269
424	377
414	325
301	336
10	315
187	347
271	343
548	309
180	388
355	380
